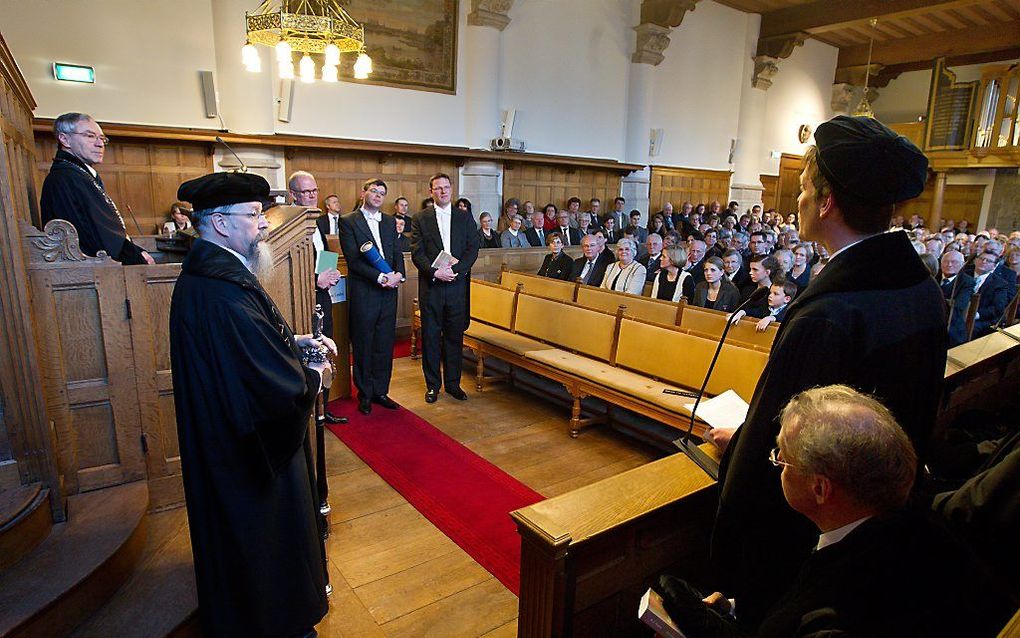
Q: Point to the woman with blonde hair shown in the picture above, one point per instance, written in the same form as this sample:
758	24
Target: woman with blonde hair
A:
673	282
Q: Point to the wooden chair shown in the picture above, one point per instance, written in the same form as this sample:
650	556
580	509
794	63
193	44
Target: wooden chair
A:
972	310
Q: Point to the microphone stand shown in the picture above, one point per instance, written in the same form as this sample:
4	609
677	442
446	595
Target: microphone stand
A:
688	447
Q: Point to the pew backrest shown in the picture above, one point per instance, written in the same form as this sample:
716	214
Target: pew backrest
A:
492	304
566	325
713	322
653	310
535	285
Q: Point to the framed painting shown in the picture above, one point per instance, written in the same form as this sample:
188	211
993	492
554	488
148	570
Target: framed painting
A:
412	43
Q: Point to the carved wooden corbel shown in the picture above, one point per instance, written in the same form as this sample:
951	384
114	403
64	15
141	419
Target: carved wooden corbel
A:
842	96
782	46
658	19
490	13
765	68
58	243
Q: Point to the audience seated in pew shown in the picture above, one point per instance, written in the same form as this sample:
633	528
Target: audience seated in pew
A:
513	237
763	271
557	264
591	267
715	292
487	236
880	567
626	274
651	260
673	282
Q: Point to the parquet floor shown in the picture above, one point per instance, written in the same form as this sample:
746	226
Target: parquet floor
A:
395	574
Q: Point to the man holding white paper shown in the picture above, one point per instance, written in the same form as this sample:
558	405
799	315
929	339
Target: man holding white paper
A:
444	246
375	268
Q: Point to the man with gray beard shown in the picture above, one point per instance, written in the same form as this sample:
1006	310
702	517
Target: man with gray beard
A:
243	401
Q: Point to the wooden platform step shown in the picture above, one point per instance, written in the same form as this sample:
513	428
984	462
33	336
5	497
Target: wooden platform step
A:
25	521
159	599
78	567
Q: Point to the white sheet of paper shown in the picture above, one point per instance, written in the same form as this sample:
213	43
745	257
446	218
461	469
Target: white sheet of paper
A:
726	410
338	294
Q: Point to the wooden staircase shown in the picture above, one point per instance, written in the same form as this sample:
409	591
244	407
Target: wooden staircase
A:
100	573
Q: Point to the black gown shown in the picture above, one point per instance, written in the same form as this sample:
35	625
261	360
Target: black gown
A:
70	192
243	403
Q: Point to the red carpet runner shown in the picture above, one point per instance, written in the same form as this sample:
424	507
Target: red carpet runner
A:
465	496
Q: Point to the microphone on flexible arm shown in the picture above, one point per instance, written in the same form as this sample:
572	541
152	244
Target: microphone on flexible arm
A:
243	167
693	452
997	326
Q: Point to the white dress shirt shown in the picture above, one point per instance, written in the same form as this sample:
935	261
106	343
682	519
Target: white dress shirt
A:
834	536
444	216
373	219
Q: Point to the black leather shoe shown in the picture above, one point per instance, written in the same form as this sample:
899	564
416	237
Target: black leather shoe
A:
332	418
457	393
431	395
386	402
364	405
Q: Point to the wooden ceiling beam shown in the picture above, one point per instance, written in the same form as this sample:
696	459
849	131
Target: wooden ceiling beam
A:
923	65
824	15
977	40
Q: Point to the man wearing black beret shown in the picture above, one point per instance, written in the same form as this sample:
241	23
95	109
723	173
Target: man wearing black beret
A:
874	319
243	402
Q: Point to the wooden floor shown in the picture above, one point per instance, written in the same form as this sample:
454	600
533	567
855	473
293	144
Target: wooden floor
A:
393	572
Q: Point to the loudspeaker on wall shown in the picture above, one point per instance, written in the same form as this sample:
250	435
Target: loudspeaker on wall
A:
209	93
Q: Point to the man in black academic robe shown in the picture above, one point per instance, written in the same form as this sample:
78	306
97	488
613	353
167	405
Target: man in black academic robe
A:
243	402
73	191
444	292
873	319
372	295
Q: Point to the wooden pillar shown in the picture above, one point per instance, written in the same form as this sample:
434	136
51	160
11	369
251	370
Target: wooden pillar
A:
936	201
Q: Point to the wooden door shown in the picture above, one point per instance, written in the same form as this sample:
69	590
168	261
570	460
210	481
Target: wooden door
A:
790	168
82	329
149	290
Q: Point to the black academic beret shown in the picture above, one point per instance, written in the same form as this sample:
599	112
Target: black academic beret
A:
223	189
865	159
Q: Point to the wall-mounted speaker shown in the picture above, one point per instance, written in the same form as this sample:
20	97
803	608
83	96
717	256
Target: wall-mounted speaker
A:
286	100
209	93
655	142
506	128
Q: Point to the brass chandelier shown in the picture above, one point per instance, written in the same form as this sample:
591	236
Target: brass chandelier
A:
305	26
864	108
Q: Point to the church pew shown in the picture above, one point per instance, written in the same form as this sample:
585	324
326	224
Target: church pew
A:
588	555
665	313
545	286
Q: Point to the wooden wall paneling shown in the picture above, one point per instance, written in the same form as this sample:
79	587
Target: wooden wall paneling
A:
546	183
25	433
960	201
790	168
769	196
343	172
677	185
149	290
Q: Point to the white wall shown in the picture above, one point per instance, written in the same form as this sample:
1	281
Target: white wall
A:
801	93
146	73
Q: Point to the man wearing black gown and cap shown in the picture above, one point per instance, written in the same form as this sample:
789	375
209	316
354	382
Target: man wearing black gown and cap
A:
874	320
243	401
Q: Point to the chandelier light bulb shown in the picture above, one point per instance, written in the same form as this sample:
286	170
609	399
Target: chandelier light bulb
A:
254	65
286	70
332	54
363	67
248	53
329	73
283	51
307	69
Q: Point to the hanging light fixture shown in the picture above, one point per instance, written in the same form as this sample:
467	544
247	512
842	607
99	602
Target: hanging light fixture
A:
864	108
309	27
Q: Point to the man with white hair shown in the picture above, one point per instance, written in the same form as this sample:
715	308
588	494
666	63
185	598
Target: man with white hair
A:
243	401
957	287
74	191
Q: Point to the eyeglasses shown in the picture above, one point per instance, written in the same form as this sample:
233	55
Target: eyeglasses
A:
774	459
308	191
92	137
377	191
253	215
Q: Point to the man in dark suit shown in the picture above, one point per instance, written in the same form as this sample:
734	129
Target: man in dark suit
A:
618	215
569	236
994	290
329	222
696	253
957	287
611	231
873	319
536	234
652	259
590	268
372	295
736	271
443	291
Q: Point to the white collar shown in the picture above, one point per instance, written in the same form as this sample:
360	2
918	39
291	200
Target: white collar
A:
440	209
238	255
834	536
776	311
376	216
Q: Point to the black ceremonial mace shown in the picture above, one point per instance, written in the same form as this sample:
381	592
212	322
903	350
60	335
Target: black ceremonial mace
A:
318	355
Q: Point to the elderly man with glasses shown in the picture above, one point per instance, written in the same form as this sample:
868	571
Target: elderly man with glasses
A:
879	568
74	191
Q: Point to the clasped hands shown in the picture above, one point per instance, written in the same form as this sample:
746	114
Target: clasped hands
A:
390	280
324	367
446	272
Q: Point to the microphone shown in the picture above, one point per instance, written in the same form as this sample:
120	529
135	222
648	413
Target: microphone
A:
997	326
693	452
243	168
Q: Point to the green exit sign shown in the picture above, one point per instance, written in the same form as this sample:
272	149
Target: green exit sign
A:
74	73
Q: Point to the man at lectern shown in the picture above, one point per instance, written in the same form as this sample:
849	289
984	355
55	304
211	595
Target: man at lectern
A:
243	402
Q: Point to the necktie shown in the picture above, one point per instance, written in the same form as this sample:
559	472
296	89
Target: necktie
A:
541	237
586	272
566	236
332	224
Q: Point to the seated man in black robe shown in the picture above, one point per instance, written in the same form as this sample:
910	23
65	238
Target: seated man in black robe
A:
878	568
73	191
243	402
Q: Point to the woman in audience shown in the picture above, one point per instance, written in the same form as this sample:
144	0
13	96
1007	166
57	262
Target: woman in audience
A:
464	204
487	237
791	219
785	258
625	274
658	225
513	237
551	212
510	209
1012	260
699	210
716	292
800	274
178	219
557	264
673	282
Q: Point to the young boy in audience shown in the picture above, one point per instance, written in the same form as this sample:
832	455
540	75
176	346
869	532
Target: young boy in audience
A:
781	293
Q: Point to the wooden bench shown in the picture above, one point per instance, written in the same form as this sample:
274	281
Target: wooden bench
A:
626	362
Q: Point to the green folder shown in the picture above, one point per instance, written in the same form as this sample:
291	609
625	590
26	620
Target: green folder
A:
326	261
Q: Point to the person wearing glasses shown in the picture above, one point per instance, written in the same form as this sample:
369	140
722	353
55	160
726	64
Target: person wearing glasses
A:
243	399
74	191
878	567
